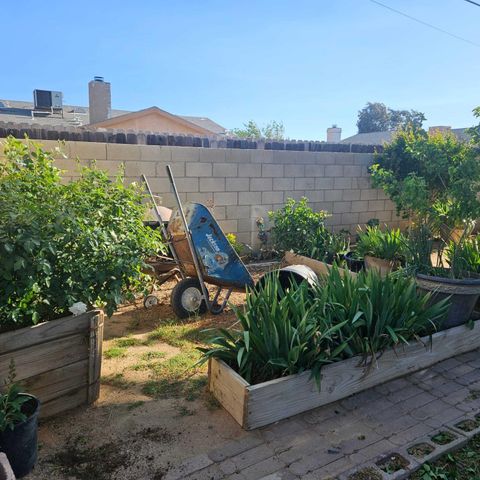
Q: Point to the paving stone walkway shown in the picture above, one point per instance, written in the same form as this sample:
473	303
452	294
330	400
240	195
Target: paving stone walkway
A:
335	441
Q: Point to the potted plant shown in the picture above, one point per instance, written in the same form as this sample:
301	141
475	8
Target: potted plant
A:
18	426
434	180
381	250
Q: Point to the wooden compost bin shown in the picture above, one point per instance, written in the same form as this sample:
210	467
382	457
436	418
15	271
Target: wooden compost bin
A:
58	361
254	406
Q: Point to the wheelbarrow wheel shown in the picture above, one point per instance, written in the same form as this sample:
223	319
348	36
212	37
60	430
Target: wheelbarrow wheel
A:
187	298
150	301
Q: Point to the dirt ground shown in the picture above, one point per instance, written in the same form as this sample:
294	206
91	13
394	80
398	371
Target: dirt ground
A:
154	408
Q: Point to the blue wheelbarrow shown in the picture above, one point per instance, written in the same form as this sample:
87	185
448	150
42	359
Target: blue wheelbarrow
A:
202	254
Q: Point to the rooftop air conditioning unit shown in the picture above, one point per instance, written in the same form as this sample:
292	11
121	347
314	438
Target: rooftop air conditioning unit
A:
47	100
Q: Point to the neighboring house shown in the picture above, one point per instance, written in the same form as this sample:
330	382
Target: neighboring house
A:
379	138
99	115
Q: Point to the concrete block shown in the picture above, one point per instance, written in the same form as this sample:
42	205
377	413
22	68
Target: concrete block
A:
235	212
204	198
342	207
363	159
223	198
159	185
209	155
352	171
360	206
272	197
369	195
261	184
376	205
384	216
284	156
333	195
199	169
86	150
295	194
235	155
249	170
178	169
294	171
184	154
272	170
304	183
237	185
351	195
334	171
363	183
155	153
283	183
315	196
136	169
228	226
324	183
342	183
187	184
212	184
225	170
219	212
261	156
314	171
249	198
306	157
111	166
116	151
350	218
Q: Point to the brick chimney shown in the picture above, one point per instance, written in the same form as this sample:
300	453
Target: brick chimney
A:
99	100
334	134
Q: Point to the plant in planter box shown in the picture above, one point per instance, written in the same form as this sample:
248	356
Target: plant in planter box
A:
382	250
83	241
434	180
18	426
288	331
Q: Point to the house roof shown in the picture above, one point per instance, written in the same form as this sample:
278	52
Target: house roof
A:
18	111
379	138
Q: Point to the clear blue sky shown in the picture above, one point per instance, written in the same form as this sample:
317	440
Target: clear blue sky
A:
308	63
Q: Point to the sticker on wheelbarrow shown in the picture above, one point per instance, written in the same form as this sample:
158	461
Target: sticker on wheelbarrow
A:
213	261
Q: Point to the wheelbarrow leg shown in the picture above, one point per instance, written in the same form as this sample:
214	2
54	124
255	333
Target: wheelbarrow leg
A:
217	308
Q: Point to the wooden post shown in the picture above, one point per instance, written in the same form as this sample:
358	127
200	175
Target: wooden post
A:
95	357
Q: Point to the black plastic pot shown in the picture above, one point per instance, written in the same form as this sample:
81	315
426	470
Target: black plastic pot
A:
20	444
290	275
353	264
463	296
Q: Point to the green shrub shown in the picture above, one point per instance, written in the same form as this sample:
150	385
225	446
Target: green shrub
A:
64	243
294	224
289	331
388	244
464	257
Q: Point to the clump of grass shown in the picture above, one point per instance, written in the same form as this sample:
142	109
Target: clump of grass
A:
115	352
134	405
393	463
443	438
152	355
183	411
128	342
421	450
178	335
468	425
368	473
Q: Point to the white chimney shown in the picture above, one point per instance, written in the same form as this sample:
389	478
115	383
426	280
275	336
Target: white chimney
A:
334	134
99	100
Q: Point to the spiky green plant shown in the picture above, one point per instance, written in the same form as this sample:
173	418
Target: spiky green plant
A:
464	257
388	244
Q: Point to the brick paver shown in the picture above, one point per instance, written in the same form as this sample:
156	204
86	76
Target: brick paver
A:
333	441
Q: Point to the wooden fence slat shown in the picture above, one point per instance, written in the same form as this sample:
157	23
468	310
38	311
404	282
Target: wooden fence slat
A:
95	356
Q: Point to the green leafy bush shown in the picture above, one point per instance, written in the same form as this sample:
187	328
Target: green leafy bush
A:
64	243
298	228
12	403
289	331
434	177
388	244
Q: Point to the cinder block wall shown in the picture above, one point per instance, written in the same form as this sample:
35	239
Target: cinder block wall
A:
241	185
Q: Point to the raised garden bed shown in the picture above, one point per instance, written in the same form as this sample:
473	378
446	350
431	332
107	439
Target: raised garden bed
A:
58	361
254	406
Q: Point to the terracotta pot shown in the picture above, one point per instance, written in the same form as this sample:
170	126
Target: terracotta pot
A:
383	266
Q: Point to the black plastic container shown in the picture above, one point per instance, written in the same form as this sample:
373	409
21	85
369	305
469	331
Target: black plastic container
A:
353	264
20	444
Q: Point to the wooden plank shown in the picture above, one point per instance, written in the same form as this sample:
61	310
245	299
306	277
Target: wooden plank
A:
320	268
46	331
95	356
65	402
272	401
55	383
229	388
31	361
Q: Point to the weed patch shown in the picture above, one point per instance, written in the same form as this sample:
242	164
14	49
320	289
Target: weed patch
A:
115	352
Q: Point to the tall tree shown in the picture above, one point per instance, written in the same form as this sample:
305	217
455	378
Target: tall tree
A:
274	130
377	117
